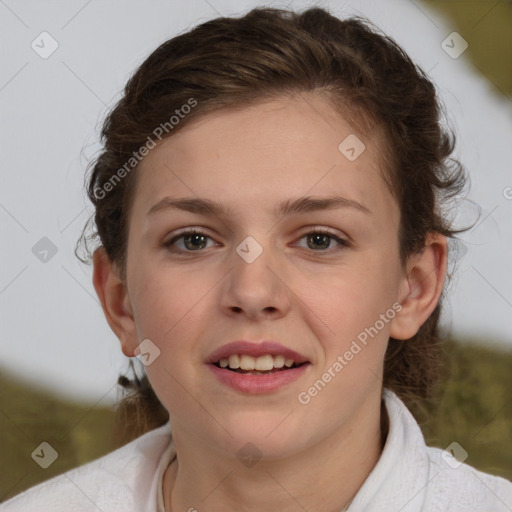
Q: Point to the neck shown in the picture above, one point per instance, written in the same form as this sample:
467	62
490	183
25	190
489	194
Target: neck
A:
324	477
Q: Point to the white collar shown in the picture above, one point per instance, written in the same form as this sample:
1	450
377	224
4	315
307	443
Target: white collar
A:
398	480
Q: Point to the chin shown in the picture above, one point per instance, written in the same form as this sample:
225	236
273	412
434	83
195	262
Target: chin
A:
261	437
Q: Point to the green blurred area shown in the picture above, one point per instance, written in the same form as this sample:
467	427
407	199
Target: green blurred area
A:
474	408
28	417
487	27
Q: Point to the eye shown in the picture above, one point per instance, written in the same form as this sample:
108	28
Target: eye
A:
193	241
319	240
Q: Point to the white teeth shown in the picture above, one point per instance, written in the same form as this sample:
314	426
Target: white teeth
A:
264	363
261	363
247	362
278	361
234	361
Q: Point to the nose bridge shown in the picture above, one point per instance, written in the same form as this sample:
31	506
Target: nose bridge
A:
253	284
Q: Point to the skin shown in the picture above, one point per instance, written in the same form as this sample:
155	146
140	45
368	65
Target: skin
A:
313	300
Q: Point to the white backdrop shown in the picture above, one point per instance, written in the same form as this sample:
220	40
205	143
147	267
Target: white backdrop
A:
52	330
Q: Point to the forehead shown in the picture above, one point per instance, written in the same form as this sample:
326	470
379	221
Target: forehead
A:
265	153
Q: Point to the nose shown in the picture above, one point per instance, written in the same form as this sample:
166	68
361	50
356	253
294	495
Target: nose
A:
256	289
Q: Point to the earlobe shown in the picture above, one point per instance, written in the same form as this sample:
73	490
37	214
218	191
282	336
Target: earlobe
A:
422	287
113	295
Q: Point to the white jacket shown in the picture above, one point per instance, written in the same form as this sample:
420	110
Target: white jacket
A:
408	477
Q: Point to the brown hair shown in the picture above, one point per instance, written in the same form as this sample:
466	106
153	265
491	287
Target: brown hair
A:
233	62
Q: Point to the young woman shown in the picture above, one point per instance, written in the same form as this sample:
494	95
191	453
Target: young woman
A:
268	206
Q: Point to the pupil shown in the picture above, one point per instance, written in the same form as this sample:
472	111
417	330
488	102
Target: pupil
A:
319	236
194	237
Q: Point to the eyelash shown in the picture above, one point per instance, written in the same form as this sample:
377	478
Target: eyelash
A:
168	244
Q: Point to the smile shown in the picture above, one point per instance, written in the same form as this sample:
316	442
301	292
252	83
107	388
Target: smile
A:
265	364
256	368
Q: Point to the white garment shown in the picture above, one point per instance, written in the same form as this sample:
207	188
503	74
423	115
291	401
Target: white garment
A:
408	477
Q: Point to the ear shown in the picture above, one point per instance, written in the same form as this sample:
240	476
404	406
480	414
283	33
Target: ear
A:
421	287
113	295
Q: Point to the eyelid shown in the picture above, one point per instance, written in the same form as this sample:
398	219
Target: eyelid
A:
188	229
315	228
320	229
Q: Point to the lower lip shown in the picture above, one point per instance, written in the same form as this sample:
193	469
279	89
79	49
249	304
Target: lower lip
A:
257	384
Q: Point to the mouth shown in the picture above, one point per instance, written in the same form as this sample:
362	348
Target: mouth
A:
261	365
257	368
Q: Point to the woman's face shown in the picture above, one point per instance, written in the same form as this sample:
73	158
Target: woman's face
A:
256	273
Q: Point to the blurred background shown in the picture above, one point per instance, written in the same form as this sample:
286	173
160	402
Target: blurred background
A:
60	361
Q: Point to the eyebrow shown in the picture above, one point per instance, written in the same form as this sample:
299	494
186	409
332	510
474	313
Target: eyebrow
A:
290	206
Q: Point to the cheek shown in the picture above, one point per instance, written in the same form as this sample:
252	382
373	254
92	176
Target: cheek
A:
352	294
174	310
171	311
164	299
350	304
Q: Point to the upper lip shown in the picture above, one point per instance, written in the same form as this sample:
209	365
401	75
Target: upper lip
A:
255	350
